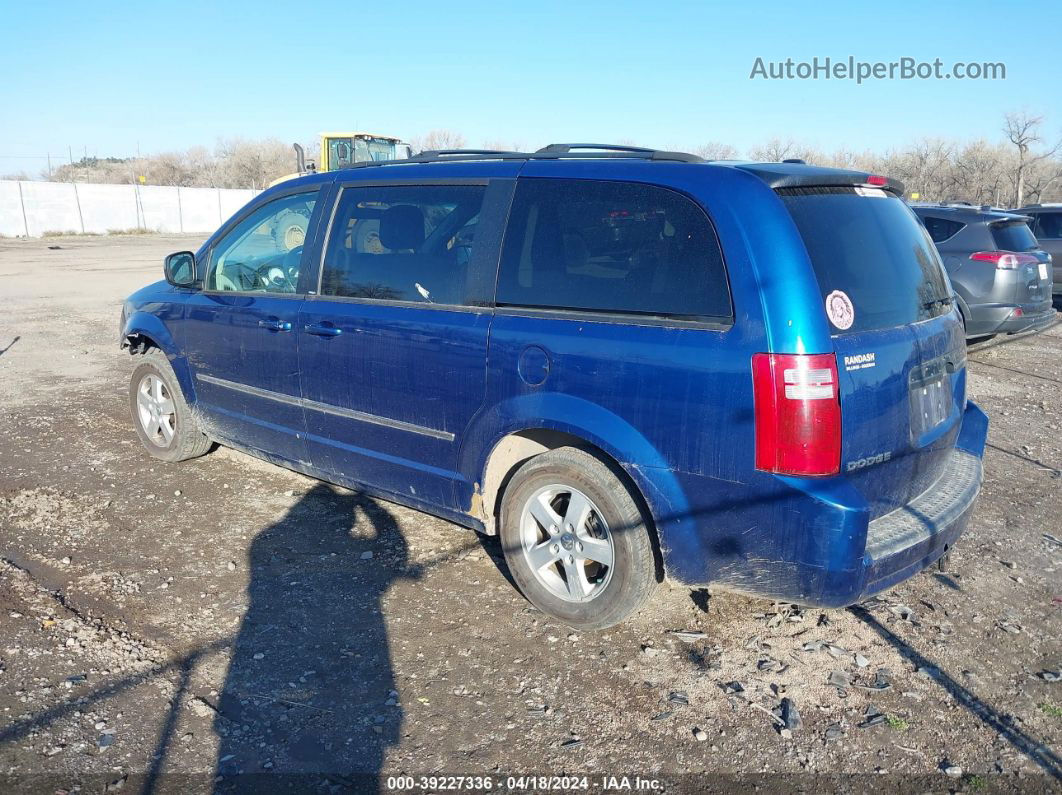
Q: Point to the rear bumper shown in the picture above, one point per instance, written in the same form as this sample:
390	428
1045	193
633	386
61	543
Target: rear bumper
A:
816	544
909	539
914	536
988	319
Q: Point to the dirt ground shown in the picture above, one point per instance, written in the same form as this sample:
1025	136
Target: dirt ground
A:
227	625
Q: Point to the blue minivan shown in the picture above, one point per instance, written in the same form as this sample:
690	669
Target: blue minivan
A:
629	364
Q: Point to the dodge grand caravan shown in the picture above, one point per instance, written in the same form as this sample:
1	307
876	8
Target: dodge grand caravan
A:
627	363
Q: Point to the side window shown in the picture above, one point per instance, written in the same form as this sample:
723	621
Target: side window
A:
403	243
1049	226
261	254
611	247
940	229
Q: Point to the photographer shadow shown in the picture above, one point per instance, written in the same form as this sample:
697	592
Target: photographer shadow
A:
310	696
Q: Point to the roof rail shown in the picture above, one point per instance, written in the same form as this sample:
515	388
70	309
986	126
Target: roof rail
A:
565	148
449	155
614	150
551	152
443	152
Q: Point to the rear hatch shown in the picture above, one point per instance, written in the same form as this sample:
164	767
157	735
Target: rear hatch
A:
1032	266
899	343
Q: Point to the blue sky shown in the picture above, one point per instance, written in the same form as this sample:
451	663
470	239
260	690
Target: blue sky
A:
108	77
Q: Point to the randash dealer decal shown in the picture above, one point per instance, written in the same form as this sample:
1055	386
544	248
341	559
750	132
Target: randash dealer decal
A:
859	361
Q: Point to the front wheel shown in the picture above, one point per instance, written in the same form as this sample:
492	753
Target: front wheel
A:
163	421
575	540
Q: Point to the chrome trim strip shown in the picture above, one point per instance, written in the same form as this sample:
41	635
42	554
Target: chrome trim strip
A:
290	400
375	419
338	411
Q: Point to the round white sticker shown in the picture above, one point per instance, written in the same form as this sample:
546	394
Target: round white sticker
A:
839	310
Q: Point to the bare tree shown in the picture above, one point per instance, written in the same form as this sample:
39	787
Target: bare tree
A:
841	158
253	164
980	173
1041	177
438	139
499	145
776	150
170	168
1023	130
925	167
713	150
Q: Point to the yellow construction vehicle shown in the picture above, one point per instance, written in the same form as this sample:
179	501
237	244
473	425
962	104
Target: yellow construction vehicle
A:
344	149
338	150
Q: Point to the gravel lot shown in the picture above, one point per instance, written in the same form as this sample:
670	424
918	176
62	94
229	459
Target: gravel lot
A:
167	627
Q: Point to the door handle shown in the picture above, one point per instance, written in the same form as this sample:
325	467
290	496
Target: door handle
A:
322	330
275	325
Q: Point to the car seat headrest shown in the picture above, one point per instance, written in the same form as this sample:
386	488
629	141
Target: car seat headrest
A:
576	252
402	227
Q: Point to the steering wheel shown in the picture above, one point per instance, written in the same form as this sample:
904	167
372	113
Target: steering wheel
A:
291	263
278	277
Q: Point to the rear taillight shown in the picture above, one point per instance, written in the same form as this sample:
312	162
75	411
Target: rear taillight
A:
798	414
877	180
1004	260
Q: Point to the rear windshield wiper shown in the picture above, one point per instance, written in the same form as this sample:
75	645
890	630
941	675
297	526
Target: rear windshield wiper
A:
935	301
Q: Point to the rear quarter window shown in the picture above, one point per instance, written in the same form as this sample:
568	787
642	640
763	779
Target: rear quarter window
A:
1014	237
941	229
1049	226
611	247
868	246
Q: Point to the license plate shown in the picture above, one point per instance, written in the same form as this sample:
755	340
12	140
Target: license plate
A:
929	397
1043	270
931	404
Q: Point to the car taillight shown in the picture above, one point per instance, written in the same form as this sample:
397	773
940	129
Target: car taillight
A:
1004	260
877	180
798	413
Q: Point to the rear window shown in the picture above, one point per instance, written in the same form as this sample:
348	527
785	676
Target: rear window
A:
875	263
1013	237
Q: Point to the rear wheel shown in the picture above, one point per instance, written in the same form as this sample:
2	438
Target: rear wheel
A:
575	540
163	421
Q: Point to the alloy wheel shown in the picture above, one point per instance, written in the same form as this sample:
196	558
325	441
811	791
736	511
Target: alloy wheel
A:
566	543
156	410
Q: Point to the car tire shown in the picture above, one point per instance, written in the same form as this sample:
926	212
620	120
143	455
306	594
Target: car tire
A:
559	567
166	425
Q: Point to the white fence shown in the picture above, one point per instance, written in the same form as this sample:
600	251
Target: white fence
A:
32	208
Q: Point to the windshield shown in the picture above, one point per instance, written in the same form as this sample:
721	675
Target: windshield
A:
875	263
375	149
